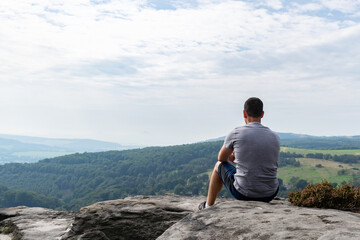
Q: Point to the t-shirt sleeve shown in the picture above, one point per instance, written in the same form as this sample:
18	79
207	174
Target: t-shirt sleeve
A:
229	140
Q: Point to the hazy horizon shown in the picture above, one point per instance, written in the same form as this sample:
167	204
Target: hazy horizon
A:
19	138
174	72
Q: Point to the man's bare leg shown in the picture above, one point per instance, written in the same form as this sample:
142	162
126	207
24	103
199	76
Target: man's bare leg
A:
215	186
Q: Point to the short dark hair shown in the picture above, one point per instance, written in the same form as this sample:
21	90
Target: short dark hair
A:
254	107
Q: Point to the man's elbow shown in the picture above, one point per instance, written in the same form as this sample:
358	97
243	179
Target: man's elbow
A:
222	159
223	155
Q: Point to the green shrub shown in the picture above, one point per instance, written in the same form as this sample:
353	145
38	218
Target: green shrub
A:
324	195
5	230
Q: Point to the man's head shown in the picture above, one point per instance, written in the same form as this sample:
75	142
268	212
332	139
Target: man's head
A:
253	110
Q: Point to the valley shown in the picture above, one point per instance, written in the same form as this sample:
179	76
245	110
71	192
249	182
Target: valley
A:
79	179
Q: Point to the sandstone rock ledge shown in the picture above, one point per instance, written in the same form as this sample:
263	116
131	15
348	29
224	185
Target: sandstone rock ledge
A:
36	223
139	217
176	217
255	220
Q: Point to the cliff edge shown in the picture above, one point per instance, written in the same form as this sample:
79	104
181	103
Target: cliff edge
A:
176	217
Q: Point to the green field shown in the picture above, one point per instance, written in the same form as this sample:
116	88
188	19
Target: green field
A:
331	152
309	172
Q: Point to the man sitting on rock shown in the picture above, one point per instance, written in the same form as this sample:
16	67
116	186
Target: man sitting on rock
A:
254	150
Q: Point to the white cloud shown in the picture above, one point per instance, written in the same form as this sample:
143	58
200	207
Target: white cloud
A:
275	4
308	7
126	60
345	6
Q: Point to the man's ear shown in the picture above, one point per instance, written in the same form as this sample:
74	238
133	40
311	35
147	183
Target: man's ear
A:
262	115
245	115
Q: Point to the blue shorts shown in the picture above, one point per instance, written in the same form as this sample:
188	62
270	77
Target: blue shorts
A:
226	172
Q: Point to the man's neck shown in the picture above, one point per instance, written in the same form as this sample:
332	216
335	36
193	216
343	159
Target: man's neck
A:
250	120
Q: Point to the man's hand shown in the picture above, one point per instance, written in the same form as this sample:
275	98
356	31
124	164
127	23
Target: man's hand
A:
232	157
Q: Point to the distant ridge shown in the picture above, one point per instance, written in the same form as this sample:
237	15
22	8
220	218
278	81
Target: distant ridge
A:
68	144
295	136
16	148
313	142
302	136
21	149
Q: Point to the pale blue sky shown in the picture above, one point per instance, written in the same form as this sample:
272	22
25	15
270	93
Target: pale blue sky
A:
173	72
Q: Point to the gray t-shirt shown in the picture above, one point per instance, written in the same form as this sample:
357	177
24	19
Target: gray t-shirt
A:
256	150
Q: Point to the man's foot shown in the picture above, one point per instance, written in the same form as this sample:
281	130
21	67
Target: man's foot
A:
202	205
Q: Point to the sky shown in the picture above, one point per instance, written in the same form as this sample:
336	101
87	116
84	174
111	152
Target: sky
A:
174	72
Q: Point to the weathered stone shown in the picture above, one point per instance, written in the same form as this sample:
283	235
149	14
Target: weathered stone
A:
255	220
175	218
93	235
5	237
140	217
36	223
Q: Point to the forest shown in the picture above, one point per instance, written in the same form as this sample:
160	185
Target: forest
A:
312	142
73	181
11	198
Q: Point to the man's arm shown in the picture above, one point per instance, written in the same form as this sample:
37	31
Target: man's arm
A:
226	154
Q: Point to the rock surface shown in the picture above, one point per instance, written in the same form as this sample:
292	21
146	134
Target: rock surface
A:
5	237
176	217
140	217
255	220
36	223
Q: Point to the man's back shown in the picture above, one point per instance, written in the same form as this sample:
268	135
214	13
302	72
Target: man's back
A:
256	150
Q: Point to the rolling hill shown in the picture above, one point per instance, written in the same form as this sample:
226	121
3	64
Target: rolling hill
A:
314	142
78	179
14	148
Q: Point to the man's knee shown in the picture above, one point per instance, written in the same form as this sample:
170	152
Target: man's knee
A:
217	166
